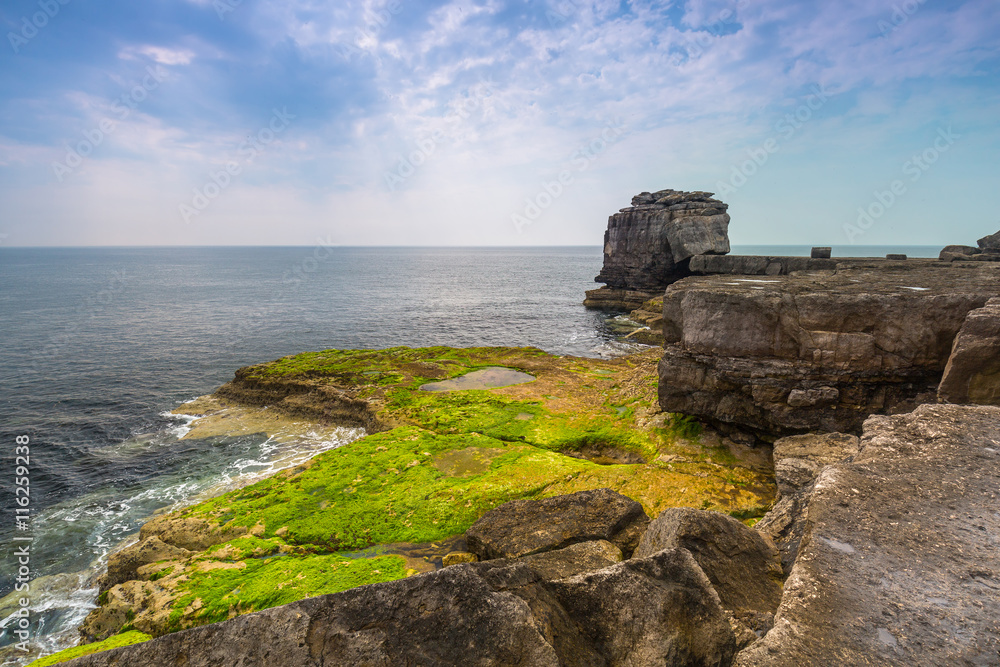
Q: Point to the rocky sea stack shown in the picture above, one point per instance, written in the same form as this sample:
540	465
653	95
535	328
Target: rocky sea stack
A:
648	245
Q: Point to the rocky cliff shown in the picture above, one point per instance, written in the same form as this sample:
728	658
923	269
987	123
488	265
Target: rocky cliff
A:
648	245
815	350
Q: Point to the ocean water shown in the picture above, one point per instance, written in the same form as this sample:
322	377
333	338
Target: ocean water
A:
98	344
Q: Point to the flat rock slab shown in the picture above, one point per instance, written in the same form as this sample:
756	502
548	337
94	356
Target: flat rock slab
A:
900	561
653	611
525	527
486	378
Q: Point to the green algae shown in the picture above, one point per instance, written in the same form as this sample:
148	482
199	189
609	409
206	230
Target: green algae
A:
444	459
217	593
117	641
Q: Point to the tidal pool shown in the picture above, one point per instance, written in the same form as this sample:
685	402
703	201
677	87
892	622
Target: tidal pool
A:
486	378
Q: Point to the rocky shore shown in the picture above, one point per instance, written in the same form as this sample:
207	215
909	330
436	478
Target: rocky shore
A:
511	507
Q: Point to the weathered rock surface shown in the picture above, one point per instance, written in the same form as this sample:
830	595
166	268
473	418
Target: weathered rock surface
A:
525	527
951	253
973	371
656	610
798	460
123	565
814	351
570	561
647	246
899	563
743	566
991	242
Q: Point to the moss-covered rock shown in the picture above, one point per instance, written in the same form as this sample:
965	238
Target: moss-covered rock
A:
124	639
433	463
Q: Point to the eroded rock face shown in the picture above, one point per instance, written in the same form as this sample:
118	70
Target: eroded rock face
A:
123	565
656	610
814	351
990	243
973	371
647	245
743	567
899	562
525	527
798	460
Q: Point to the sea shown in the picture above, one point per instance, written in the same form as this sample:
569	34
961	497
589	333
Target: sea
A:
99	345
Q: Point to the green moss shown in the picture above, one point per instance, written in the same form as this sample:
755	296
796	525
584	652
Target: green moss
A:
451	457
389	487
117	641
217	594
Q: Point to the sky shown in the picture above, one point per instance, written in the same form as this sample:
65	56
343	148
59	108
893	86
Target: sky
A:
494	122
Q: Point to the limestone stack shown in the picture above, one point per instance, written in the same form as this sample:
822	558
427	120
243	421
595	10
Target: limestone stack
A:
648	245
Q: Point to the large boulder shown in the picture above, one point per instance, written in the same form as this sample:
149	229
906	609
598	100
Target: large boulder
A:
990	243
815	350
973	371
743	567
647	245
652	611
899	562
525	527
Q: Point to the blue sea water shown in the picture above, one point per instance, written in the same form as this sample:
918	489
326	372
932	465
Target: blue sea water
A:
99	343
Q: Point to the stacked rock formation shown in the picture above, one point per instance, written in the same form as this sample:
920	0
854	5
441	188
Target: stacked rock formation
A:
988	250
648	245
823	350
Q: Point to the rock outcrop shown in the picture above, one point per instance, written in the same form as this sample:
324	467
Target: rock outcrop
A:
656	610
743	566
814	351
898	563
525	527
973	371
990	243
798	460
648	245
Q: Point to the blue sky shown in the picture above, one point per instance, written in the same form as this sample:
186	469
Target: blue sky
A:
497	122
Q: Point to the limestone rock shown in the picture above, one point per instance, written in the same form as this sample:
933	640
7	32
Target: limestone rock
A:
123	565
570	561
647	246
814	350
657	610
798	460
743	567
525	527
899	562
991	242
973	371
193	534
952	252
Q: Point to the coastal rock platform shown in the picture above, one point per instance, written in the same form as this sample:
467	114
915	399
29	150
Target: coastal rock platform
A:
815	350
